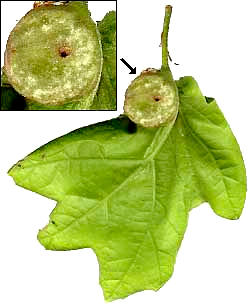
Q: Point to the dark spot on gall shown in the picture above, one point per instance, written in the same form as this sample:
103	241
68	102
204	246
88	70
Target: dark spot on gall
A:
64	51
63	54
157	98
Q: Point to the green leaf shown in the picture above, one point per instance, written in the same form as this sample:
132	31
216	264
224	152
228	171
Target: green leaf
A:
215	158
126	191
11	100
105	98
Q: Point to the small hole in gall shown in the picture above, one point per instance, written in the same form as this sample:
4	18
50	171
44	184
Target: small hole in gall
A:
157	98
64	51
64	54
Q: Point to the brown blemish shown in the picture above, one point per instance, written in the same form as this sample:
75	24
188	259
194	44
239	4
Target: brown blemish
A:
149	71
43	156
157	98
20	166
42	3
64	51
168	7
48	3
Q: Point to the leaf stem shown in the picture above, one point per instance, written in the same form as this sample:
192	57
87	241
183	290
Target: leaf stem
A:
164	38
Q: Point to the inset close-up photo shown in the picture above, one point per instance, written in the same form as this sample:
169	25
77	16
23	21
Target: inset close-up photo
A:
58	57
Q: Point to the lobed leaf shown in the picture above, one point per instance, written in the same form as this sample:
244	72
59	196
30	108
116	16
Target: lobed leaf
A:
126	191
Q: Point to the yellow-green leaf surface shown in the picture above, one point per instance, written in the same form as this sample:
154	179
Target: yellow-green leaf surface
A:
105	98
126	191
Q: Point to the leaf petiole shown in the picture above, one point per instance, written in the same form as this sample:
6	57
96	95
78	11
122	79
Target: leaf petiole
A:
164	38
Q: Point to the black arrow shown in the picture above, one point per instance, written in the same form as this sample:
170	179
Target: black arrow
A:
132	70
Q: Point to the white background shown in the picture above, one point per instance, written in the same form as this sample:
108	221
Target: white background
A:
210	41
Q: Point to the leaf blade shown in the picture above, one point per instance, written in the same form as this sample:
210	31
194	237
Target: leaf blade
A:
218	150
126	191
